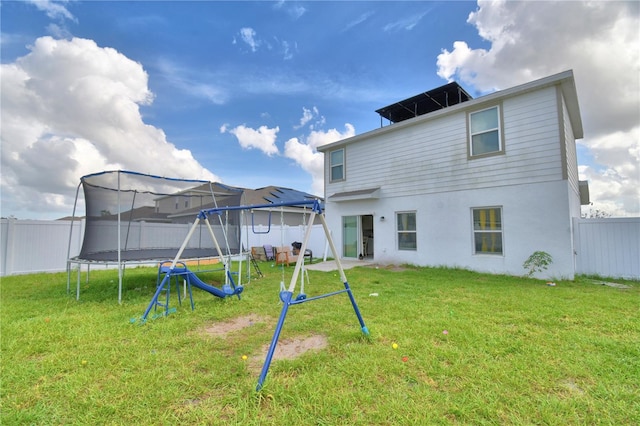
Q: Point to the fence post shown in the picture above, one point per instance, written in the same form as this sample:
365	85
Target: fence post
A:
9	249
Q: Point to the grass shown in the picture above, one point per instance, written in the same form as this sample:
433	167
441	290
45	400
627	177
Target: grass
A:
516	352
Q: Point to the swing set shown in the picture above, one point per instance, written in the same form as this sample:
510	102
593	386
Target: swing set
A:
178	269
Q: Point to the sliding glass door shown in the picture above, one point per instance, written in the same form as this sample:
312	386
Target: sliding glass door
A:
350	236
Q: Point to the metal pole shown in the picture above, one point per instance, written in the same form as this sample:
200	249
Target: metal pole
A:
285	296
119	248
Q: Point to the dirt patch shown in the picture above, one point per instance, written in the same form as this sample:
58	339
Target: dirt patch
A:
289	349
609	284
221	329
394	268
285	349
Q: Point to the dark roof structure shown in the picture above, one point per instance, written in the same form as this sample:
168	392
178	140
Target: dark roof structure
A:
275	195
424	103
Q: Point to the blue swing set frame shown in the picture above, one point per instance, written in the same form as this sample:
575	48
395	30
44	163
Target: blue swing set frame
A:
286	295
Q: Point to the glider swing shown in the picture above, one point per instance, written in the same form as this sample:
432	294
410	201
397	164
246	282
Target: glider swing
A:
179	269
286	295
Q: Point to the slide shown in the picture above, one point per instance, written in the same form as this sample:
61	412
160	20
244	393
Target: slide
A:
198	283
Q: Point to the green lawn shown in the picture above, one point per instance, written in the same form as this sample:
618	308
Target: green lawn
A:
471	349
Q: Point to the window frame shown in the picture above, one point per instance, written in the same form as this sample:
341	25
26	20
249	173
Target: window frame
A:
414	232
475	231
499	128
343	165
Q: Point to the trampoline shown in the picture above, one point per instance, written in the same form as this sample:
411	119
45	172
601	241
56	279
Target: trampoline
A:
137	218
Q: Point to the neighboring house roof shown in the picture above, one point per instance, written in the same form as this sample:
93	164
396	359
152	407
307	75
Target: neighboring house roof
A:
218	189
251	197
274	195
564	79
139	214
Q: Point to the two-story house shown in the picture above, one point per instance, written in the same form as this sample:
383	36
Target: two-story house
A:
460	182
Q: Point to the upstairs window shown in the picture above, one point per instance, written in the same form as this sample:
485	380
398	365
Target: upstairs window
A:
487	230
337	165
484	132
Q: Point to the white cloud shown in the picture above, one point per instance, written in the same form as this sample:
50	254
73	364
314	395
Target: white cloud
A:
295	11
308	115
600	41
264	138
53	9
406	24
192	82
305	153
58	31
248	35
286	50
250	38
359	20
71	108
617	184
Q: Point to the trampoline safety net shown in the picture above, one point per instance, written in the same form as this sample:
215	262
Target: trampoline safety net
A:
146	217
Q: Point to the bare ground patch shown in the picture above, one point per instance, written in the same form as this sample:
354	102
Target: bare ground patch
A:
393	268
289	349
223	328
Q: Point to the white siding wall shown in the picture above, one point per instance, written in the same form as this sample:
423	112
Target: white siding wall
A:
431	156
571	163
445	232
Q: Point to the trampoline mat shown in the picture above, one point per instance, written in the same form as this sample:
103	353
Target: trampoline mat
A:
148	254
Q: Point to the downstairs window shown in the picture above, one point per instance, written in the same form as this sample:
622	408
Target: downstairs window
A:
487	230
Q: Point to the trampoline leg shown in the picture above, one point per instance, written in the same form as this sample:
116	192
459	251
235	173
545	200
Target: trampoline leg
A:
285	296
78	282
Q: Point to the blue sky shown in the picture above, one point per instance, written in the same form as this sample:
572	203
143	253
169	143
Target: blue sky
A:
243	92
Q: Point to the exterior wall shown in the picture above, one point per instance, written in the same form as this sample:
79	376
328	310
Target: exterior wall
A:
445	230
168	204
430	156
423	164
571	159
261	217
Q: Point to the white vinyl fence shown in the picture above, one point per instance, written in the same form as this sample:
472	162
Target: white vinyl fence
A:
29	246
37	245
608	247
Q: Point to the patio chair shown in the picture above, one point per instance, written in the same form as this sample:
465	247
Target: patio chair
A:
269	253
